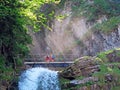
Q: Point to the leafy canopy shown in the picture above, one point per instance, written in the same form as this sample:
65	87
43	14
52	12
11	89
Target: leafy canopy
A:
16	16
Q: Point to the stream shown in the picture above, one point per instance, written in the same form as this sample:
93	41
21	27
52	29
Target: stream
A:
39	79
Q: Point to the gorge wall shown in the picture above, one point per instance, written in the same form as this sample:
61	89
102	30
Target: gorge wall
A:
74	36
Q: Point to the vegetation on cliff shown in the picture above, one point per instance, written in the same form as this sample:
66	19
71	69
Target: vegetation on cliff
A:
93	10
101	72
96	9
13	38
16	17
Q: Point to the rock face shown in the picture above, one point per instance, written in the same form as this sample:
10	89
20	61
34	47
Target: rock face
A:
93	73
8	86
73	36
114	56
84	66
85	80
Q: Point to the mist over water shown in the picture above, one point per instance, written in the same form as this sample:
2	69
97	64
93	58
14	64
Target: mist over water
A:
39	79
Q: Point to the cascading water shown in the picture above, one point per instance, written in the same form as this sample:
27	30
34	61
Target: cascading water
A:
39	79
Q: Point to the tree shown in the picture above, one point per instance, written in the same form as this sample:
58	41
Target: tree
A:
13	37
15	17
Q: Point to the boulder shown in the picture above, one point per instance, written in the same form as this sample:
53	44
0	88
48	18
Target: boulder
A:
83	66
101	72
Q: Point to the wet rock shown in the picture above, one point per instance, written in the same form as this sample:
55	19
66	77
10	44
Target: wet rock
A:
13	86
84	66
85	80
109	78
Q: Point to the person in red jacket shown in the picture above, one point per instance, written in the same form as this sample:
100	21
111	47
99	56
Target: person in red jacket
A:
47	58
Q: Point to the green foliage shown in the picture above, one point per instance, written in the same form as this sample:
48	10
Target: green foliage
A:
106	70
35	14
61	4
98	60
61	17
103	72
80	77
2	63
5	72
63	81
12	35
109	25
16	16
79	42
118	53
95	9
103	55
115	88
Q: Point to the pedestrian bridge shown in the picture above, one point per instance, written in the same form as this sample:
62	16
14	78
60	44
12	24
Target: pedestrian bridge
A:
39	61
49	64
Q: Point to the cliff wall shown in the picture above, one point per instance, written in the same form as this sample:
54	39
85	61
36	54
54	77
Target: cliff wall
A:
74	35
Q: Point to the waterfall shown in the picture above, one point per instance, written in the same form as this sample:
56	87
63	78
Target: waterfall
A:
39	79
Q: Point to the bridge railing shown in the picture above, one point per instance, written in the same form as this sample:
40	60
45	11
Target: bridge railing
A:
41	58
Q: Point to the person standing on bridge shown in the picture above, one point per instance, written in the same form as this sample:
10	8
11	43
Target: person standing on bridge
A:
52	57
47	58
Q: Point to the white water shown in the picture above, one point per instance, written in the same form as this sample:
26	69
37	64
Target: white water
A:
39	79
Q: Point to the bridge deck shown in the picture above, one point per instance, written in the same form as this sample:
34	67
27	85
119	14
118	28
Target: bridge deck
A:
46	62
49	64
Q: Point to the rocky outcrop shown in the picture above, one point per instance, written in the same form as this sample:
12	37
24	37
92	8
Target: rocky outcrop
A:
93	73
114	56
85	80
73	36
84	66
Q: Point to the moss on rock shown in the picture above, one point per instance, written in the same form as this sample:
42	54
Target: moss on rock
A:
105	67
